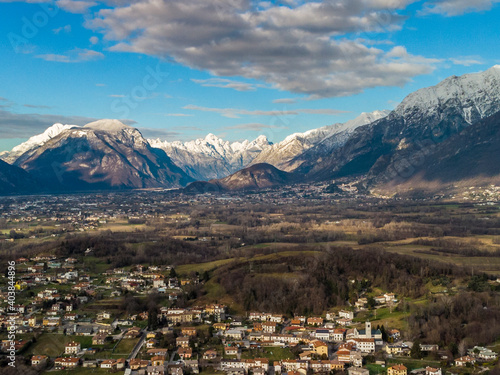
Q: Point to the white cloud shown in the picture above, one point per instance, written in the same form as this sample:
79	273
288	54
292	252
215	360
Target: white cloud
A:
253	127
24	125
178	115
284	101
66	29
227	84
457	7
236	112
467	60
294	47
74	56
94	40
73	6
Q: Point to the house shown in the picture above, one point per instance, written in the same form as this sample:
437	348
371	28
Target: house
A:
463	361
394	333
158	360
69	362
136	363
396	349
188	331
38	360
315	321
390	297
132	333
90	363
320	348
182	342
231	350
192	365
322	334
151	343
379	300
306	356
83	330
365	345
210	354
99	339
108	363
51	321
361	303
338	334
157	351
105	329
70	316
483	353
103	315
120	363
269	327
428	347
221	326
432	371
236	334
397	370
174	370
358	371
346	314
185	353
72	347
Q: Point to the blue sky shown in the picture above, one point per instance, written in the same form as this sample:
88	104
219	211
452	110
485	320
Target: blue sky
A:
235	68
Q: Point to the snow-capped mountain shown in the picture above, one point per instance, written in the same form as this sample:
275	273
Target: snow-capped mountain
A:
212	157
476	94
34	142
290	153
394	147
101	155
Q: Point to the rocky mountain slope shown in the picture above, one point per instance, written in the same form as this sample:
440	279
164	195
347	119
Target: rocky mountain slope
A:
255	177
470	158
101	155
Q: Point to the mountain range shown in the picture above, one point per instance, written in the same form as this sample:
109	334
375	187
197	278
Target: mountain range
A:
436	136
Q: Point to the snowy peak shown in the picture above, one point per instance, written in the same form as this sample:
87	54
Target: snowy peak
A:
35	142
475	95
212	157
328	137
108	125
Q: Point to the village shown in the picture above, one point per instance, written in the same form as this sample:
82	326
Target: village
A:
61	307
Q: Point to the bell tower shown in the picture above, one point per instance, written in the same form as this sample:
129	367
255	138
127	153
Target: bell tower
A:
368	330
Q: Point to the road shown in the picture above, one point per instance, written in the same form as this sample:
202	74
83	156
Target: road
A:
138	346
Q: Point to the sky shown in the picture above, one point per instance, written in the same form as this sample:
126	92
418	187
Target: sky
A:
178	70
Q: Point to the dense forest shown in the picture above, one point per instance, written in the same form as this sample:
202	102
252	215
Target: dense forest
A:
303	285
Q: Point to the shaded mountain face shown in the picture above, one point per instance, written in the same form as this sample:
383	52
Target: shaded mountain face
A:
101	155
255	177
14	180
212	157
389	148
471	157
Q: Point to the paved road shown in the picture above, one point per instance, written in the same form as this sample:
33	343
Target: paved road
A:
171	362
138	346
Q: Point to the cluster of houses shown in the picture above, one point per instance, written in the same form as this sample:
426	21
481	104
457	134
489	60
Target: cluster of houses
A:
328	343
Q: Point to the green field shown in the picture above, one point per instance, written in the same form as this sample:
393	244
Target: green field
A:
125	346
272	353
80	371
52	345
